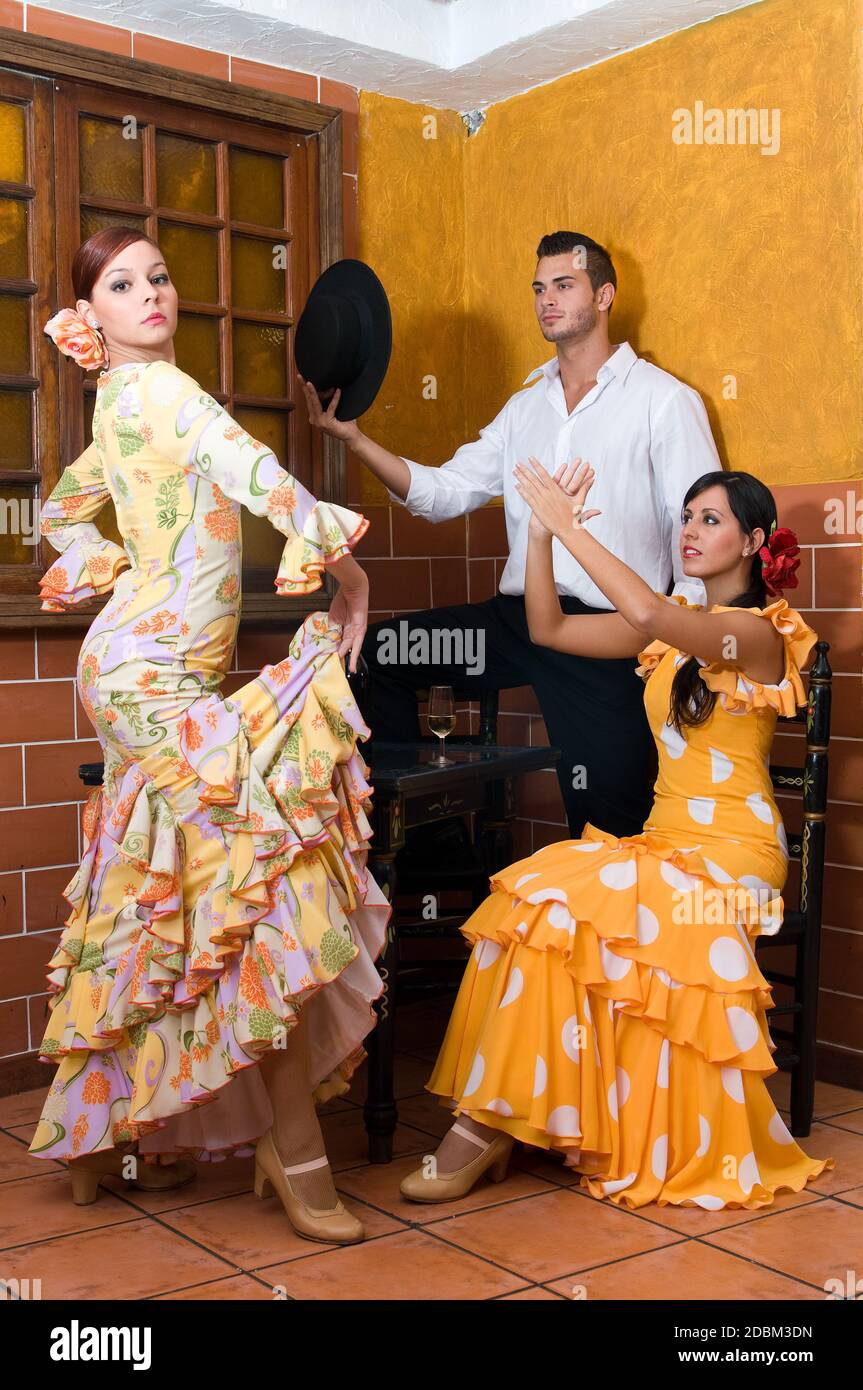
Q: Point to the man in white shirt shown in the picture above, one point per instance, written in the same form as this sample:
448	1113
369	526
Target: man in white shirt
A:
648	438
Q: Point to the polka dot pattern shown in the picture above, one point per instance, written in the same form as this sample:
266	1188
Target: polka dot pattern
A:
619	876
606	1010
564	1120
514	987
728	959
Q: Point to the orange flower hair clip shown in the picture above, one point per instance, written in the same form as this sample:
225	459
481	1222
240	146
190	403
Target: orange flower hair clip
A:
77	338
780	560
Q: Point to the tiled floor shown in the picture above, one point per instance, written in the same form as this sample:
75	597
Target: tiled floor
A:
535	1236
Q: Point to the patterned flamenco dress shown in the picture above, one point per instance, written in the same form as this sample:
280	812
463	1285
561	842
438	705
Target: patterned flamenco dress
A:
223	885
612	1006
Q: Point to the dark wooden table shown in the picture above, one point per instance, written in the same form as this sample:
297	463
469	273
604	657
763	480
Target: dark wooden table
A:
410	790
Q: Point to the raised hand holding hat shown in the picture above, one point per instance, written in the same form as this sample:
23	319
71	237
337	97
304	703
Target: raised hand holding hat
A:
343	339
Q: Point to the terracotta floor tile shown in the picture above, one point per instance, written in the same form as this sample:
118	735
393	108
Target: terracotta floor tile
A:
215	1180
830	1099
814	1243
544	1164
237	1288
132	1261
378	1183
411	1265
16	1162
409	1077
842	1145
425	1112
852	1119
17	1110
249	1232
692	1221
543	1237
689	1271
855	1196
535	1295
24	1134
348	1145
41	1208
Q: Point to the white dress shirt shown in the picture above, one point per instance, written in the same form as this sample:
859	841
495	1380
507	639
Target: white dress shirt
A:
645	434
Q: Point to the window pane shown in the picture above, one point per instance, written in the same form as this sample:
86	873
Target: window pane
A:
185	174
257	187
19	526
269	426
196	344
110	164
13	164
258	270
93	220
191	255
13	238
259	359
14	335
16	439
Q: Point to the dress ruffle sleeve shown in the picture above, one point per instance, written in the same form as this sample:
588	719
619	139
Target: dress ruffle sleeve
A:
205	439
89	563
738	692
655	651
328	532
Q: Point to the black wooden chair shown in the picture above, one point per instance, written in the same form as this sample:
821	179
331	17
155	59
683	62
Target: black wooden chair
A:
466	871
801	926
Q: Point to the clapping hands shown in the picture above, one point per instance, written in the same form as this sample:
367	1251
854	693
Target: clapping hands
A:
556	503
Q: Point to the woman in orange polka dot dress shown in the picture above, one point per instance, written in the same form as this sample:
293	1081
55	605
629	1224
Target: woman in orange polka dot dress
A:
612	1006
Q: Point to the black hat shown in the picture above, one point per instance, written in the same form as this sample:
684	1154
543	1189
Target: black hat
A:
344	336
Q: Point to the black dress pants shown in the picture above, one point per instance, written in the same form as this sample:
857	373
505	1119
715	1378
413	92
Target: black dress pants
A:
593	708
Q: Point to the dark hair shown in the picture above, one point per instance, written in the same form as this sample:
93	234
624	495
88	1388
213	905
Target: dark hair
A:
95	253
754	506
598	264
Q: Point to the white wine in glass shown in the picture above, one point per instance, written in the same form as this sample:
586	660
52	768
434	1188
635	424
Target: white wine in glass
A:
441	718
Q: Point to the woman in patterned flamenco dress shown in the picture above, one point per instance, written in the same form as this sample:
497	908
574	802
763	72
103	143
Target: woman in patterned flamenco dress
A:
215	977
612	1007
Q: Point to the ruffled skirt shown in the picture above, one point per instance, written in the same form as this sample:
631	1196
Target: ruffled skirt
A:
223	887
612	1008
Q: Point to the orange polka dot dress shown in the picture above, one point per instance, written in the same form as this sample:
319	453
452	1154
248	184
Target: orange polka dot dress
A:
612	1006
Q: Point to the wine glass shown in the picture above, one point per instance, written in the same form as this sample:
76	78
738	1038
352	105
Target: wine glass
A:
441	719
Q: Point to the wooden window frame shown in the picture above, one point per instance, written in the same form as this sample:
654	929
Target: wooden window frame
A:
44	57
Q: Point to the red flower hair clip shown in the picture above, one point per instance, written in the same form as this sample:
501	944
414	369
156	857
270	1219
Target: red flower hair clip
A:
780	560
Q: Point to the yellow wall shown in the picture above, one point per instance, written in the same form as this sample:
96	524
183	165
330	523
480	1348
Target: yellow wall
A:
729	261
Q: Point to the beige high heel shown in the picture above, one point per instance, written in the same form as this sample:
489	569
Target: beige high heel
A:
88	1171
493	1160
334	1225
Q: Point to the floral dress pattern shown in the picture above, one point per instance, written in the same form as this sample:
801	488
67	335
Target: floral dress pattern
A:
223	885
612	1006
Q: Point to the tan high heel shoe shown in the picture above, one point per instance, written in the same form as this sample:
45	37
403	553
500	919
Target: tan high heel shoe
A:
88	1171
493	1160
334	1225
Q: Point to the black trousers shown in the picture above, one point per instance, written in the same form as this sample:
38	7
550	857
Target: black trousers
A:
593	708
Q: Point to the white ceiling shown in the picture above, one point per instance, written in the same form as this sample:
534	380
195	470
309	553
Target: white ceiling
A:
459	54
